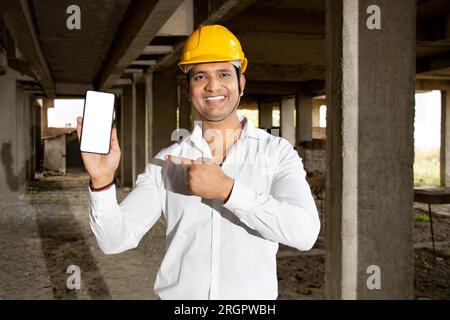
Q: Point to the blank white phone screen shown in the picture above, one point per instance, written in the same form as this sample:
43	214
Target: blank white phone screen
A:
97	122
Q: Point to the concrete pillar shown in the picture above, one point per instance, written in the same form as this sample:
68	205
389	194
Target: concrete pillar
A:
34	107
185	110
46	104
370	94
140	162
315	113
38	137
118	123
126	136
22	136
287	119
8	179
265	115
165	100
13	145
133	132
32	137
445	139
304	118
148	78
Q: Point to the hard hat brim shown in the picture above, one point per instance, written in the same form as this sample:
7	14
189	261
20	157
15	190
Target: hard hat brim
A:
212	58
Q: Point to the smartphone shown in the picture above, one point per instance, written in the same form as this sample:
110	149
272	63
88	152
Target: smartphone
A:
98	117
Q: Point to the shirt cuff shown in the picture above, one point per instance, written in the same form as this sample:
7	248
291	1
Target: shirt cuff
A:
241	199
102	202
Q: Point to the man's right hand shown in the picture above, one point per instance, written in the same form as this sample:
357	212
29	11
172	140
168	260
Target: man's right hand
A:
101	168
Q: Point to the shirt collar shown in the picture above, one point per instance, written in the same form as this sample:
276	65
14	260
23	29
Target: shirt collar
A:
248	131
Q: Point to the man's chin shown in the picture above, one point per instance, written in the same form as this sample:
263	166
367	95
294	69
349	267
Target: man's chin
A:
215	116
214	119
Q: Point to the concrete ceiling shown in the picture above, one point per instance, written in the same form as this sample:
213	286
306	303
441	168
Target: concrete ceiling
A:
283	40
75	56
292	4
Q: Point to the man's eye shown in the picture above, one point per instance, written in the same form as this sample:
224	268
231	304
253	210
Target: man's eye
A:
225	75
199	77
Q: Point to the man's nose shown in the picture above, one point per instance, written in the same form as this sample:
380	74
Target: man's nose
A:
212	85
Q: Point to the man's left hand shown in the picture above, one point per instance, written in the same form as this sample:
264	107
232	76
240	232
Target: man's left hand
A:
204	178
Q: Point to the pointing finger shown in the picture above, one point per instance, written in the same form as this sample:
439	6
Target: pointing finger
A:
179	160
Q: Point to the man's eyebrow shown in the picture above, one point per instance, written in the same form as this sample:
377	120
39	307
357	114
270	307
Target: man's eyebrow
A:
197	72
224	70
216	71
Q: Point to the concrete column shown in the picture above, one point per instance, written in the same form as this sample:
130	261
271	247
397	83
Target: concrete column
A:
133	133
22	136
164	107
126	136
140	162
185	110
370	99
148	78
287	119
119	126
8	138
46	104
315	113
38	137
265	115
32	137
304	118
445	139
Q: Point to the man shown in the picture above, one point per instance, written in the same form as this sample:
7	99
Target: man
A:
229	192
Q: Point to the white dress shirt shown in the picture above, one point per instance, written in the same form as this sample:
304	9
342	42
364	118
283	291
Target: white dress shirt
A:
215	250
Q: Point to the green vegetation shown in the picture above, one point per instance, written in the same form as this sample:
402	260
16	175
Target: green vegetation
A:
426	263
426	167
421	216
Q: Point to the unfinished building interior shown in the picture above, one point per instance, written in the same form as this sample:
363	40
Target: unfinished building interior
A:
364	65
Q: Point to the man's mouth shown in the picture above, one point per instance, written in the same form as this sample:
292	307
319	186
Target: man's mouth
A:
215	98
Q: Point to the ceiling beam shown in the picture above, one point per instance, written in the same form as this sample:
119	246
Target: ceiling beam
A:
433	28
433	63
72	89
181	23
144	63
283	48
143	20
433	85
271	88
313	87
281	21
295	73
209	12
157	50
19	22
443	74
206	12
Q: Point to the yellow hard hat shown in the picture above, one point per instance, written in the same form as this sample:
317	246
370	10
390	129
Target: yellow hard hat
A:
212	43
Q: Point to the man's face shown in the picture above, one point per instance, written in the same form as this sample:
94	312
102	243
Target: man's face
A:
213	90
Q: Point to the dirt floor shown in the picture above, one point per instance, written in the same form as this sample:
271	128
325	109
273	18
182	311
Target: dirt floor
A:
47	230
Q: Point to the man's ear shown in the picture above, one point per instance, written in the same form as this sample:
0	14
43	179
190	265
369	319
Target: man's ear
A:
242	81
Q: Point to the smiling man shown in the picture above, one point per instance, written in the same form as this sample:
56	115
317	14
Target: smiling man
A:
229	192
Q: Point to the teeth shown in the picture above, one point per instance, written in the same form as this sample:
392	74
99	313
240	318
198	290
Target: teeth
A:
215	98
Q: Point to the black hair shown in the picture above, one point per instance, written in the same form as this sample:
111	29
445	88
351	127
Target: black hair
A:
238	73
